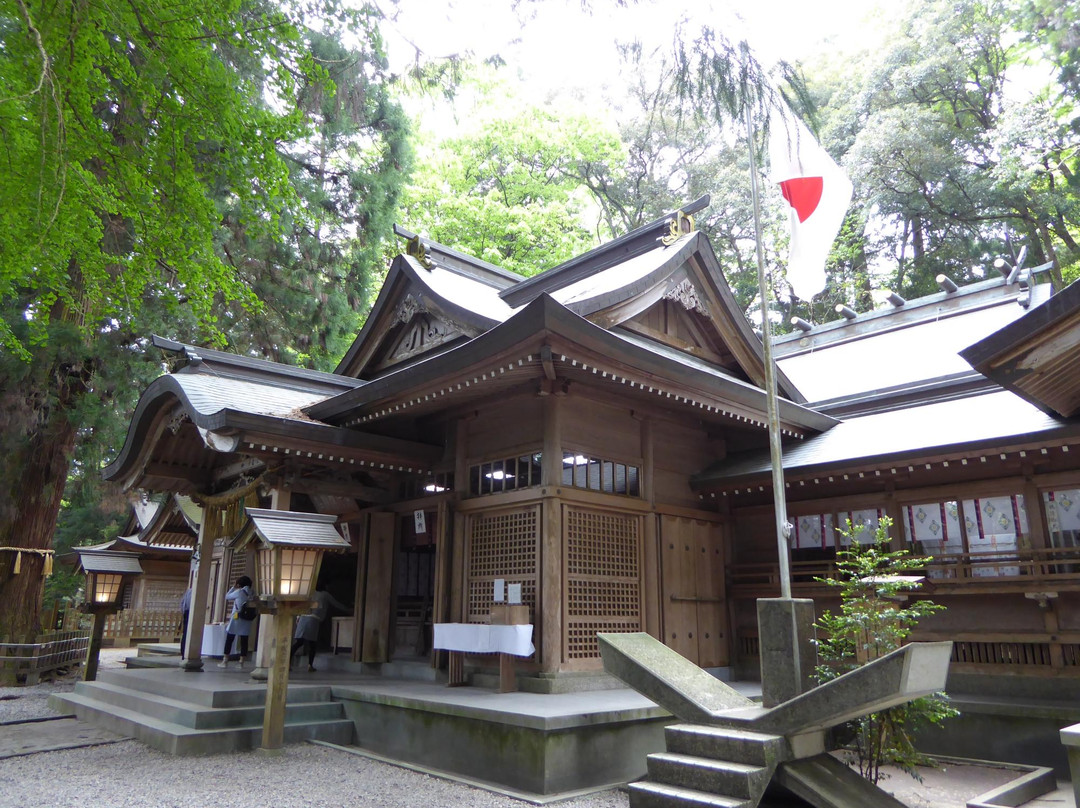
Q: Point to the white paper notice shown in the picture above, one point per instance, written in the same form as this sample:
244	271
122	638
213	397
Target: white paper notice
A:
499	594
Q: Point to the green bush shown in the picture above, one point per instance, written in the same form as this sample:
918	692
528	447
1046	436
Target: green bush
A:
876	616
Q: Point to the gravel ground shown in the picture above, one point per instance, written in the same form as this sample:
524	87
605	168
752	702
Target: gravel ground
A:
302	776
306	775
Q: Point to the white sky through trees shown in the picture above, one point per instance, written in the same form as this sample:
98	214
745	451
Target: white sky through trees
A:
555	46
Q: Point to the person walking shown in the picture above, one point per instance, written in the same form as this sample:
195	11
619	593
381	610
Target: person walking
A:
307	627
242	597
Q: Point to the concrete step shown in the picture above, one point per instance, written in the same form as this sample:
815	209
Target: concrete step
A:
723	743
234	690
176	739
742	780
197	716
153	661
159	649
647	794
413	670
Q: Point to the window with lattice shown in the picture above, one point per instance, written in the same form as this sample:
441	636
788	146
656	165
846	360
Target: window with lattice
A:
603	581
502	545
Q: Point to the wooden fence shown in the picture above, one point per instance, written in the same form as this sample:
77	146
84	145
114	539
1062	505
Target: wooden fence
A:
48	652
956	573
142	625
132	626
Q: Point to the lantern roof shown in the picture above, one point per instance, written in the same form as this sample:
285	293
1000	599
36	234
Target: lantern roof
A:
291	528
109	561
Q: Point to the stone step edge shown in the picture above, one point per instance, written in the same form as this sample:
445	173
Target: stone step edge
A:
169	727
687	796
191	708
717	764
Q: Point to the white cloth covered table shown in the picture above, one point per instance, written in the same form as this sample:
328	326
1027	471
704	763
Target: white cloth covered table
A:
474	638
213	639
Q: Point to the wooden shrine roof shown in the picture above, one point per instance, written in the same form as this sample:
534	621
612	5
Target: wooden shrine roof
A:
989	423
901	383
1037	356
895	356
545	339
216	407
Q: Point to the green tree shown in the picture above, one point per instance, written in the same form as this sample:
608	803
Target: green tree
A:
138	140
876	616
953	170
507	189
315	280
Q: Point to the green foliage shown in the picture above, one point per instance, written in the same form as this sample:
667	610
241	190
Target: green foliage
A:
953	166
875	618
215	172
507	187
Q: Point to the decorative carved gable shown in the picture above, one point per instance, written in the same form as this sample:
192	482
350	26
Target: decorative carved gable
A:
679	320
415	331
686	296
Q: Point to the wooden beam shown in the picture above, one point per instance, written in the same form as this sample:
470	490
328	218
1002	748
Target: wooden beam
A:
334	488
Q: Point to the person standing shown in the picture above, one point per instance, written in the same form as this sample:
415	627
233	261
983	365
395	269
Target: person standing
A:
185	611
307	627
240	623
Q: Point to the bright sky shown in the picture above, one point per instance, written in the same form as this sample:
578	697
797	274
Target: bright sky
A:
554	45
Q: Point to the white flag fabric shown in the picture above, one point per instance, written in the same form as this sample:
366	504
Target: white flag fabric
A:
818	194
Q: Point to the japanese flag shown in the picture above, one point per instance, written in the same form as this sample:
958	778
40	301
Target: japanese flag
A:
818	194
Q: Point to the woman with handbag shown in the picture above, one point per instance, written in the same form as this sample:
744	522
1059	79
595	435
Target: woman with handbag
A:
244	611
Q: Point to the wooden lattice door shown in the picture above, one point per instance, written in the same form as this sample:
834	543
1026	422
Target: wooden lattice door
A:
694	602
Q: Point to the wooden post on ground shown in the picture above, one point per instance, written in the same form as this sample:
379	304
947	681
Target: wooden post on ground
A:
90	669
277	685
200	594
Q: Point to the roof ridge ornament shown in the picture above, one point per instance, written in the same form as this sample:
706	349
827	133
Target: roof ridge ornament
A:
681	225
415	247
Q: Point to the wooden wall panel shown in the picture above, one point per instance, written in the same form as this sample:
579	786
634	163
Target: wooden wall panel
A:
693	600
607	432
712	604
678	580
505	427
679	452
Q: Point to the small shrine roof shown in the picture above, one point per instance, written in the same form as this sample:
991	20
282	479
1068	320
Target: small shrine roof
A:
989	422
1037	356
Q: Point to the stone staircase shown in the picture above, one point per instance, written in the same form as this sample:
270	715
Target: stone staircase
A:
720	767
200	713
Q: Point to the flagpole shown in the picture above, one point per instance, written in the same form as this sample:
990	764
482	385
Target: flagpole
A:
773	407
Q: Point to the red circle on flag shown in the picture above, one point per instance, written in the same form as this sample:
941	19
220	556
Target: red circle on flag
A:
803	194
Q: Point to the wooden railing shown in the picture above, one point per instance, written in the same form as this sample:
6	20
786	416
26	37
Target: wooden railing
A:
955	573
1026	653
1029	653
48	652
142	625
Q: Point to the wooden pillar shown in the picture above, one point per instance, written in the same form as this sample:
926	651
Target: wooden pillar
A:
280	499
1038	532
377	600
550	585
458	539
895	512
1048	605
360	592
273	736
443	552
199	595
650	567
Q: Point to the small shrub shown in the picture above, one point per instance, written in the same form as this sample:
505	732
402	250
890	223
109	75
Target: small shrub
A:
875	618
